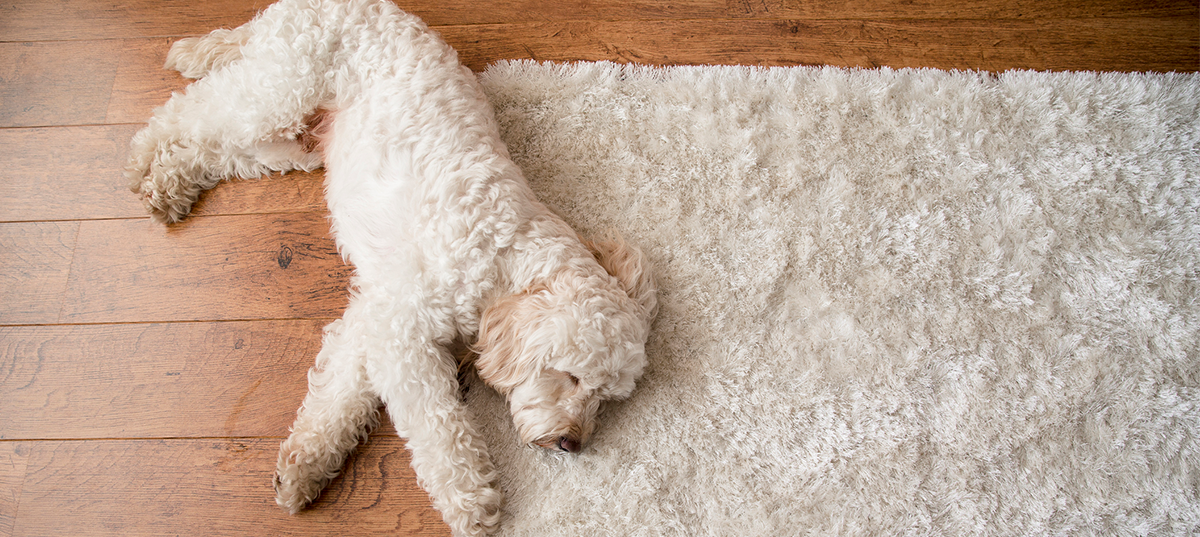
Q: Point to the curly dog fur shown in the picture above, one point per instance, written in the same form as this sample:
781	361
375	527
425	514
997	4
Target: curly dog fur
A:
447	240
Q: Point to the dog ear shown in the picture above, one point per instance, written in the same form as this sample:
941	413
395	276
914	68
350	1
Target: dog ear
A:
627	264
499	347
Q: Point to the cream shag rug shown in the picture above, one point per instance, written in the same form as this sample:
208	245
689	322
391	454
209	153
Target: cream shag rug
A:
893	302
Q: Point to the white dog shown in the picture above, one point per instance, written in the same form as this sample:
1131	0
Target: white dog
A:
448	242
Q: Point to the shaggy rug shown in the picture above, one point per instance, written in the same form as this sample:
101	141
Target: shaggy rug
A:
892	302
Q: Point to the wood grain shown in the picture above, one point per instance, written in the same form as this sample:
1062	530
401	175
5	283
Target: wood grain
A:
274	266
13	459
84	82
155	380
950	44
38	20
291	192
32	20
142	84
57	83
87	181
35	266
212	487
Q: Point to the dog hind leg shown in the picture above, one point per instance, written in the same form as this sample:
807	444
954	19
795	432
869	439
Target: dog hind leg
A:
338	413
450	459
194	57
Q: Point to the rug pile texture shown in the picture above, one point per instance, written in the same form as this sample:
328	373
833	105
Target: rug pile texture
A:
892	302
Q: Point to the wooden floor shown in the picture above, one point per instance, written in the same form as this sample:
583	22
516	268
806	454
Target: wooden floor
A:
148	373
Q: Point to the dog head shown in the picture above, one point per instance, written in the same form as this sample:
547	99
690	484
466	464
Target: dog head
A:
562	347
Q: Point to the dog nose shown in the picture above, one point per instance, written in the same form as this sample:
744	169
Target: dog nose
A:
568	444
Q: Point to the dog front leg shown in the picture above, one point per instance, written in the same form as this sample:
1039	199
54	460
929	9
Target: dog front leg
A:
239	121
173	160
421	395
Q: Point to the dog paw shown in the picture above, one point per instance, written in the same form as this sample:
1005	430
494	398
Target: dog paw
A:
165	174
297	483
183	58
166	201
162	206
195	57
477	513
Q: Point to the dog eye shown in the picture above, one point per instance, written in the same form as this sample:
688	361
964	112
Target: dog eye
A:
574	379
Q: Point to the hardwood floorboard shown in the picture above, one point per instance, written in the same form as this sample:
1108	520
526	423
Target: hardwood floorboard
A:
948	44
272	266
87	179
35	266
38	20
13	461
154	380
294	192
56	83
211	487
142	84
84	82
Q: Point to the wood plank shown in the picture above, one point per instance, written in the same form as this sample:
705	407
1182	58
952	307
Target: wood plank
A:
13	460
30	20
212	487
84	82
1131	45
87	179
292	192
1125	45
275	266
84	181
38	20
126	87
142	84
35	266
154	380
64	83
